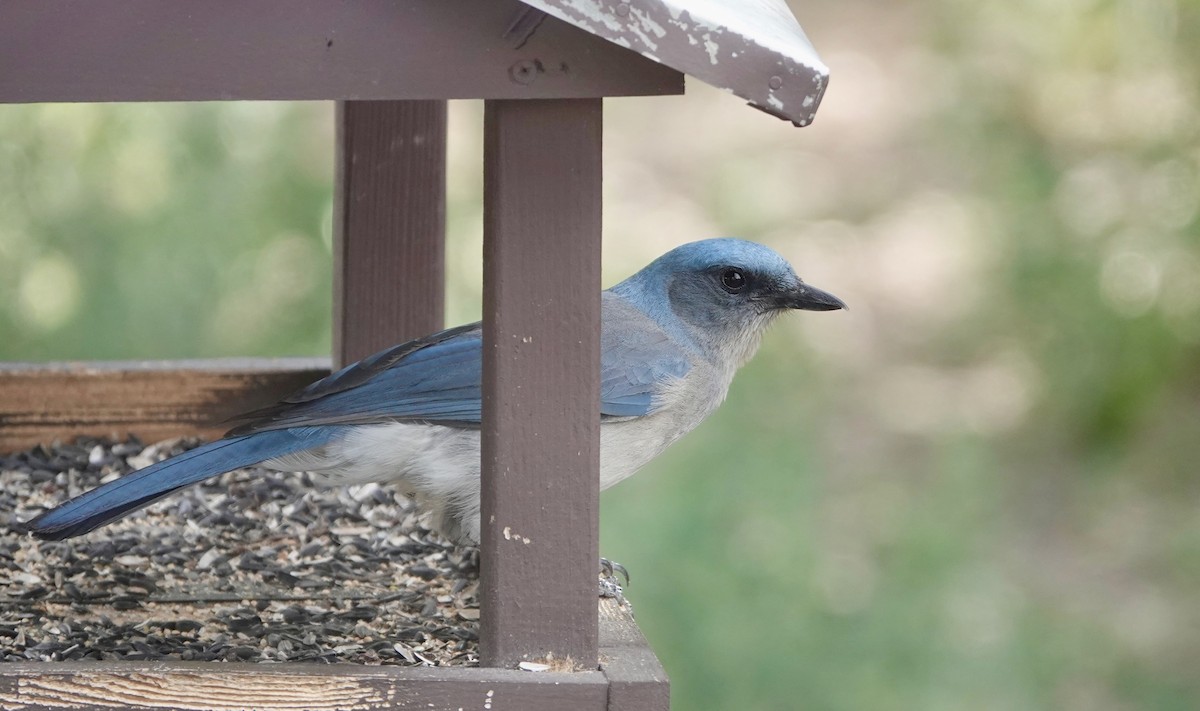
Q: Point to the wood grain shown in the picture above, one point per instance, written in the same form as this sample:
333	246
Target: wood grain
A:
631	679
197	686
389	227
637	680
153	400
541	373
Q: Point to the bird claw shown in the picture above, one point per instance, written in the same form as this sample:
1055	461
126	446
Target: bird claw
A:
609	570
610	585
610	588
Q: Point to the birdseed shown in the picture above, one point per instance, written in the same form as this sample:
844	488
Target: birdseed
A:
253	566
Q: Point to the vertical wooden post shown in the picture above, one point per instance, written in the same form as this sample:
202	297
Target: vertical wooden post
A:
541	385
389	225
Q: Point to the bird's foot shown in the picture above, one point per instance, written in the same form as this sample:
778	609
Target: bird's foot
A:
610	585
610	569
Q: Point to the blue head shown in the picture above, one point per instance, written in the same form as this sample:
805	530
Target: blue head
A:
722	294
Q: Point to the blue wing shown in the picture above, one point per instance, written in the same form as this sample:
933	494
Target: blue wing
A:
434	379
438	379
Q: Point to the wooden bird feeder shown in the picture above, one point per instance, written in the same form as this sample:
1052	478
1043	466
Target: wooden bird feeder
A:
543	68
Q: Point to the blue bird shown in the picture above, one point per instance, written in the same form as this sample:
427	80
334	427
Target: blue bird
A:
673	335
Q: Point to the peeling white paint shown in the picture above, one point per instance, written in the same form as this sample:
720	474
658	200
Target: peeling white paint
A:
510	536
735	27
767	23
648	22
588	9
644	38
711	47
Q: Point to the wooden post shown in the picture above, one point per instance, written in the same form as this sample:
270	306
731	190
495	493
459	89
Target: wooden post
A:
389	225
541	389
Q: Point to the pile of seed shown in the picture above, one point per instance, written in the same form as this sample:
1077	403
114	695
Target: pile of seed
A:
251	566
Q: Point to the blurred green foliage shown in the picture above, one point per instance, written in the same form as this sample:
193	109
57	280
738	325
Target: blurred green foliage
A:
977	489
143	231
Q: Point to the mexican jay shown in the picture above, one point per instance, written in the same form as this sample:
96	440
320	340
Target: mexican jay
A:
673	335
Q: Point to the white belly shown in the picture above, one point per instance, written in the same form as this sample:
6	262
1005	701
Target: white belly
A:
438	466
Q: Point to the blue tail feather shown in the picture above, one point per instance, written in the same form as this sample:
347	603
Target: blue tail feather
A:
111	501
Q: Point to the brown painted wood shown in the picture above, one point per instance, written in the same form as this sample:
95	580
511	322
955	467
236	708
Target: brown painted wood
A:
637	680
148	50
153	400
541	390
389	256
33	686
631	679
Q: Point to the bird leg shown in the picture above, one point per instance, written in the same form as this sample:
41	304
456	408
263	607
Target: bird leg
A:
610	584
610	569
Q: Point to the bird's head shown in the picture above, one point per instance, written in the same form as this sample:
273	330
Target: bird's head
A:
724	291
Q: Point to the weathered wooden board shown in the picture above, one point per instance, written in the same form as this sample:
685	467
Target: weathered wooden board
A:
153	400
291	687
148	50
541	378
630	679
753	48
389	226
637	680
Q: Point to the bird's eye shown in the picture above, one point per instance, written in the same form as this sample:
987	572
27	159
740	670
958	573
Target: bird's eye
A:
733	280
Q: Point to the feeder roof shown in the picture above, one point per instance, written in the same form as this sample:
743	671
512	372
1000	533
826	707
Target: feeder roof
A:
752	48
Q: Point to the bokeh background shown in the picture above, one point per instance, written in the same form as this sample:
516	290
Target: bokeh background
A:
976	489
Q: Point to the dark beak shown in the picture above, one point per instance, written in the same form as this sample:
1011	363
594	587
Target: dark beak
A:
809	298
